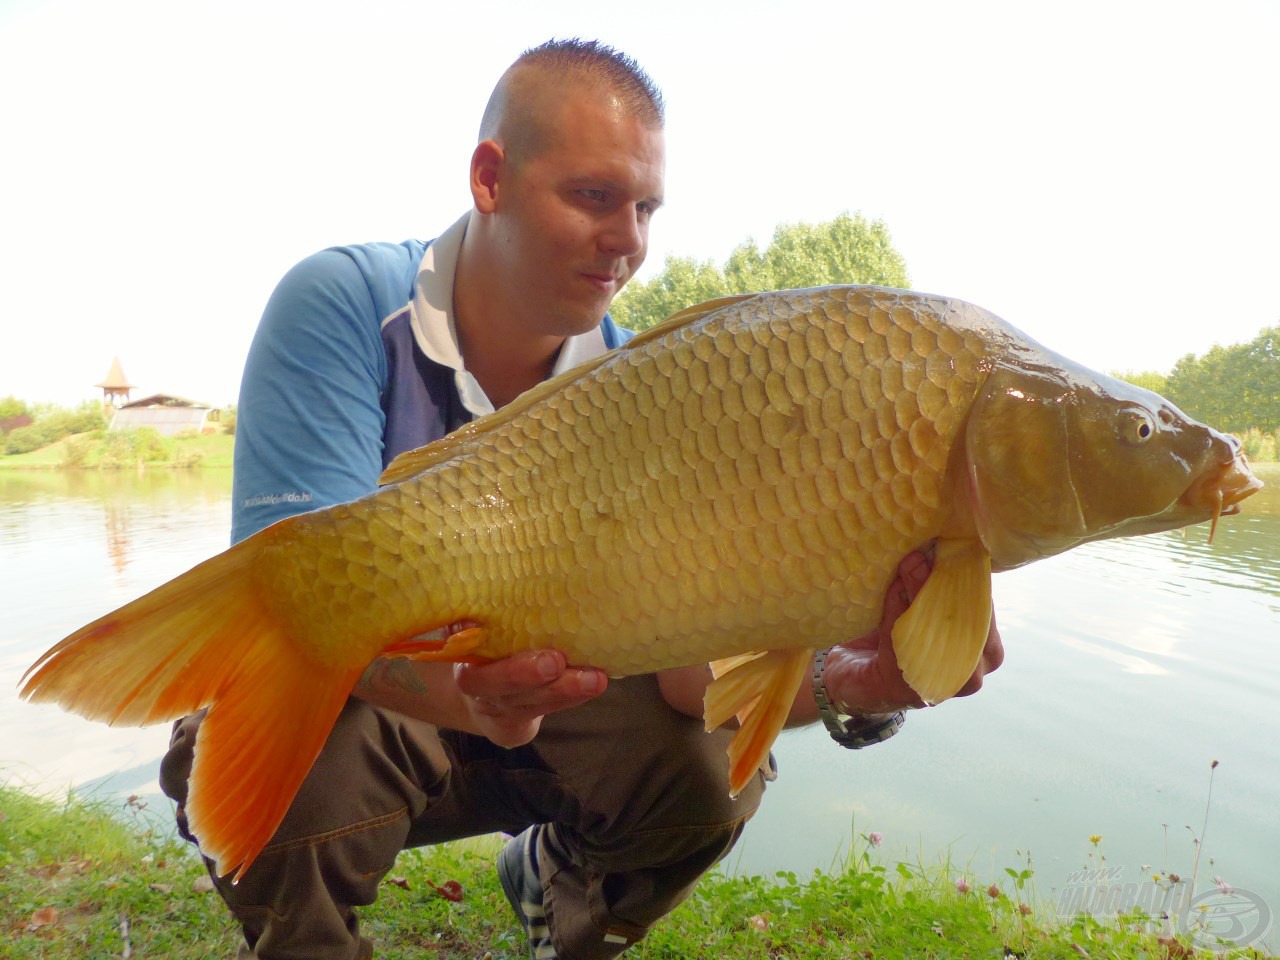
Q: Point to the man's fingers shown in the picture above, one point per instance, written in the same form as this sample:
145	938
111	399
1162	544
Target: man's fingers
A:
521	671
992	658
531	683
993	652
513	719
863	673
913	571
569	690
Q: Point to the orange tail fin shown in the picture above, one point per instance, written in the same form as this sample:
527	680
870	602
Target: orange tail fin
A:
206	639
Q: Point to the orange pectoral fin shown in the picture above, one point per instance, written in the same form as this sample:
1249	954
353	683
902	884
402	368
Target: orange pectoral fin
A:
759	689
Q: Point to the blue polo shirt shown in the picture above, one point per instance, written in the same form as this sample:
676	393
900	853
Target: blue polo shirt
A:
356	360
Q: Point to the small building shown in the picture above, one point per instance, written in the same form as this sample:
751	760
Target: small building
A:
115	387
166	414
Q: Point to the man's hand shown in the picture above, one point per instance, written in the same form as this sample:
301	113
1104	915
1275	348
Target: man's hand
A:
862	675
504	700
507	699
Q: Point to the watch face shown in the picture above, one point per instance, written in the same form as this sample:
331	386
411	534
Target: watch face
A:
864	733
851	730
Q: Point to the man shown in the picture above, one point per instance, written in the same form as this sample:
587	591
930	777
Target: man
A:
366	351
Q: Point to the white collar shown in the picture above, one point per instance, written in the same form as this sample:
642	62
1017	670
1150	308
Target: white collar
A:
435	332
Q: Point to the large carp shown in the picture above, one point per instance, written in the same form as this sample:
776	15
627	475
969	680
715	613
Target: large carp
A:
737	484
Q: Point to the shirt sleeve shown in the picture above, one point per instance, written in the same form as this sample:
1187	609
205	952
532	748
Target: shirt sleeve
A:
309	423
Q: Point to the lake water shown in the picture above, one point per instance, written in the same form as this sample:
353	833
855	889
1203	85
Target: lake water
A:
1131	665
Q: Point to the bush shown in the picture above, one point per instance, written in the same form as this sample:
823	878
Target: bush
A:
14	413
117	451
75	451
88	416
228	420
12	423
58	424
54	423
128	448
26	439
1258	445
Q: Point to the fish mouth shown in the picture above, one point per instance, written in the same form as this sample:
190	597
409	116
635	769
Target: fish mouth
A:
1219	491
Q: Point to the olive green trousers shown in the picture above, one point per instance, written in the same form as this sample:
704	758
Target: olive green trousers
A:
633	795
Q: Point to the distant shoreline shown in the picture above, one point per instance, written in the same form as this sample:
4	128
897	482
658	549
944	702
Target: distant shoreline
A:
214	451
98	452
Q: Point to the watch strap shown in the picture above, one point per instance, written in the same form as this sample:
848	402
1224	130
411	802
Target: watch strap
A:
853	732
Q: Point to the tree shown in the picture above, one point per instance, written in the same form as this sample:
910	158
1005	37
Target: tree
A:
1232	388
1258	379
682	283
1147	379
52	423
848	249
14	413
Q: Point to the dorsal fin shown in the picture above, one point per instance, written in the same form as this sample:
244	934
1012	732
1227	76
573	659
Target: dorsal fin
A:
413	462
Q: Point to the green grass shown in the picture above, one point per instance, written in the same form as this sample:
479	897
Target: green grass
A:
79	880
214	448
45	458
204	450
71	873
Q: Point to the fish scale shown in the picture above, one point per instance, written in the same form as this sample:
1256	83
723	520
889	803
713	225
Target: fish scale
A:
736	486
748	478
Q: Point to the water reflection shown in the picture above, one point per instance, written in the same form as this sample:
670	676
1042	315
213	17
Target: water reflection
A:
1245	553
73	546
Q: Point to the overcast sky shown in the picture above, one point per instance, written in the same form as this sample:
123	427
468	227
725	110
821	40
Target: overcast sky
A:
1101	174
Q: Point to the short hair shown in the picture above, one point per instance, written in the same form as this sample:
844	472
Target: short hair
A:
582	60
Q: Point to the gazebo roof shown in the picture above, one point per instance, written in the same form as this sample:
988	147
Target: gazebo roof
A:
115	379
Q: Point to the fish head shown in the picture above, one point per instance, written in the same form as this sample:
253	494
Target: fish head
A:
1058	455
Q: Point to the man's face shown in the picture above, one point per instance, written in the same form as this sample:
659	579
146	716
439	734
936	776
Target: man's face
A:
574	217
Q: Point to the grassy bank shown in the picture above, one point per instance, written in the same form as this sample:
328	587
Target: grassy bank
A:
102	450
78	880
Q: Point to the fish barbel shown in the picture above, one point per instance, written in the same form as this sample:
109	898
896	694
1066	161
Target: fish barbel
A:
737	485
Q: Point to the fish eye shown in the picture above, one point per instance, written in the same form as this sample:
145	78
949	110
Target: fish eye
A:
1138	428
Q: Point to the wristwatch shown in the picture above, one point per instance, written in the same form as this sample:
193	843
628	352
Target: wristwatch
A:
853	732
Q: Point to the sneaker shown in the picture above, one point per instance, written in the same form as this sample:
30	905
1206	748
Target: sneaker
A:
518	871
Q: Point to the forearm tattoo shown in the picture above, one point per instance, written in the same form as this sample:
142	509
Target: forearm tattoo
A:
393	674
